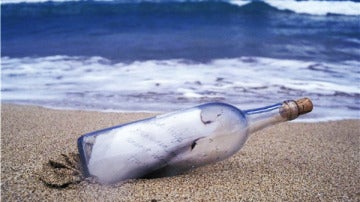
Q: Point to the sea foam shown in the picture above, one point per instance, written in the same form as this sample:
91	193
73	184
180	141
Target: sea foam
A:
163	85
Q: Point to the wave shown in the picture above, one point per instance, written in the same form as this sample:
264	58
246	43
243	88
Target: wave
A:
318	7
312	7
248	82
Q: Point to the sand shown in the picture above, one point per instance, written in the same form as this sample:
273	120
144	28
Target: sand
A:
286	162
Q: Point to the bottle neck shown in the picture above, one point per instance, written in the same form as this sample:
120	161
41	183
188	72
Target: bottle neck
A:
266	116
262	117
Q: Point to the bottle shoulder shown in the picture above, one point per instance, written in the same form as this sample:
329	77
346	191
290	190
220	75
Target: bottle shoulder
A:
223	107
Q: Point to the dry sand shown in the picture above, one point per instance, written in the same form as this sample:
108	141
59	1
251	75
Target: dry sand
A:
287	162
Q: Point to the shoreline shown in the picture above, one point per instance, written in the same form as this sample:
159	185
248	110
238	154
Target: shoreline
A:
309	118
289	161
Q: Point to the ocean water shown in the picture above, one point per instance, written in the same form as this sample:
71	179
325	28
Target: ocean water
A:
161	56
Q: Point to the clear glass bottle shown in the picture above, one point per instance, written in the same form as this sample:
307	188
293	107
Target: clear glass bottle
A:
175	142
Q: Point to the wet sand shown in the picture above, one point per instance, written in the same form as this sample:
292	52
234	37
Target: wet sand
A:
287	162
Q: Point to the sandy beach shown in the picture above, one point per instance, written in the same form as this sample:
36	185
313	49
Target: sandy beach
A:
286	162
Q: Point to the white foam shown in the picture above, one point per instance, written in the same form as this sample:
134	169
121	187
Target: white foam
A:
317	7
95	74
155	85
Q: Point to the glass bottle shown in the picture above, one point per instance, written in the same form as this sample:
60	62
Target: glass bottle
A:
169	144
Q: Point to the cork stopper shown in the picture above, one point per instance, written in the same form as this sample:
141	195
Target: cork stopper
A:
304	105
292	109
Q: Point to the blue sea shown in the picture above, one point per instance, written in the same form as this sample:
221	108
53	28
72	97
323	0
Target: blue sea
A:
159	56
